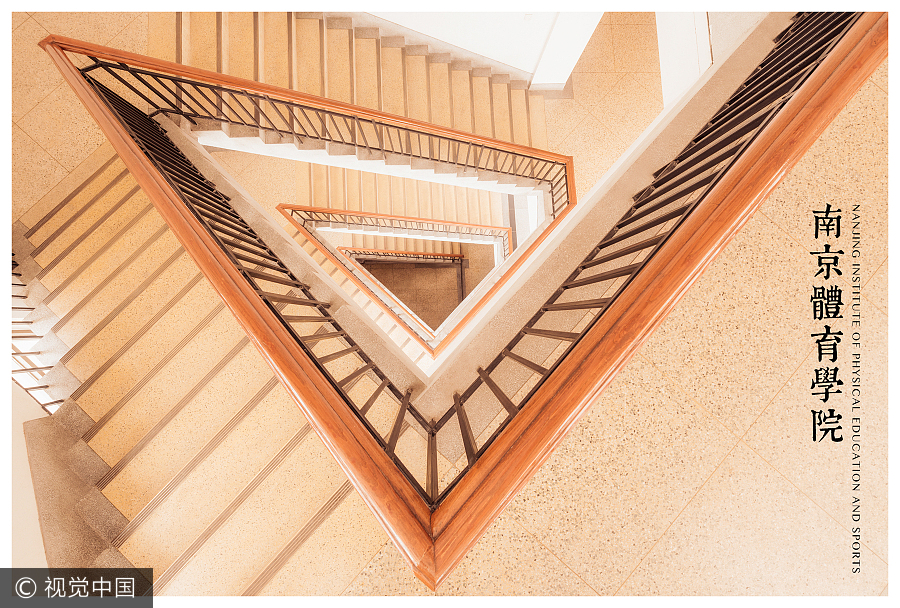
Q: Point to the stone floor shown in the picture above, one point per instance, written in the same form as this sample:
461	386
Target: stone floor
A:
695	472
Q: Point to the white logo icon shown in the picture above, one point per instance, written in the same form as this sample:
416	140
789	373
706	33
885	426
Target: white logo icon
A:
22	587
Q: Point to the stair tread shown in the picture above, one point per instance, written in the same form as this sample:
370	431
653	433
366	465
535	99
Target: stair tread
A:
80	286
214	483
185	434
263	524
104	302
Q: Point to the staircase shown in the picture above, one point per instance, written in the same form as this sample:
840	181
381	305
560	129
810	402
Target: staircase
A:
199	463
372	67
187	441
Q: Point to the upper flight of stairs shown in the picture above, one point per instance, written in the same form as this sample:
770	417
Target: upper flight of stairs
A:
327	56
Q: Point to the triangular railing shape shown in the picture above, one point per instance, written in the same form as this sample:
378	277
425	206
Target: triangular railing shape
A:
610	303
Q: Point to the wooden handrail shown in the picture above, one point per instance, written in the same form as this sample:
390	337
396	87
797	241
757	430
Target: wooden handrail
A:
518	452
434	543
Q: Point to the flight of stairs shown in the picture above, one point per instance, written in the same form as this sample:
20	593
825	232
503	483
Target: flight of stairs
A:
372	67
199	463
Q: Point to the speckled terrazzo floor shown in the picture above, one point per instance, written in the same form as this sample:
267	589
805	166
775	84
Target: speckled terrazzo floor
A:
694	473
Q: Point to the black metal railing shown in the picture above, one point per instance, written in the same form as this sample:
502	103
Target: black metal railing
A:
307	126
439	453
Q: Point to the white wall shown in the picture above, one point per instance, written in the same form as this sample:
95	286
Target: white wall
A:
684	52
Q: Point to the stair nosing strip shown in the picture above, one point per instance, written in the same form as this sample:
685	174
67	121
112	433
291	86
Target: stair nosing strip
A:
143	330
147	377
308	529
65	225
178	565
84	266
207	449
50	265
69	197
165	420
121	306
103	284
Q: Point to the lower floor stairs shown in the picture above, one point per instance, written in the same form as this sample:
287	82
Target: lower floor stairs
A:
182	450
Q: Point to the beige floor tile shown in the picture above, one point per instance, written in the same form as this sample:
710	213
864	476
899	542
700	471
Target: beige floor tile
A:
34	76
18	19
590	89
326	563
750	532
235	162
387	574
161	35
594	148
34	172
185	434
622	476
135	37
825	175
508	560
823	470
214	483
562	117
635	48
62	127
880	77
97	27
598	53
748	309
876	290
276	511
633	18
631	105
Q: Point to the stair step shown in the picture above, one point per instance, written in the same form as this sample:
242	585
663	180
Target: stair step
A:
203	40
163	261
104	355
142	408
166	531
132	206
500	106
185	434
481	103
269	517
66	298
44	234
240	45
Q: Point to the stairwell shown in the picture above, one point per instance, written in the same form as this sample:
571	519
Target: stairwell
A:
191	457
175	437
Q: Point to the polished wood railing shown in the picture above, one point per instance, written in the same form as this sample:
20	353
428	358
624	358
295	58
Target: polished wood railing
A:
434	539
